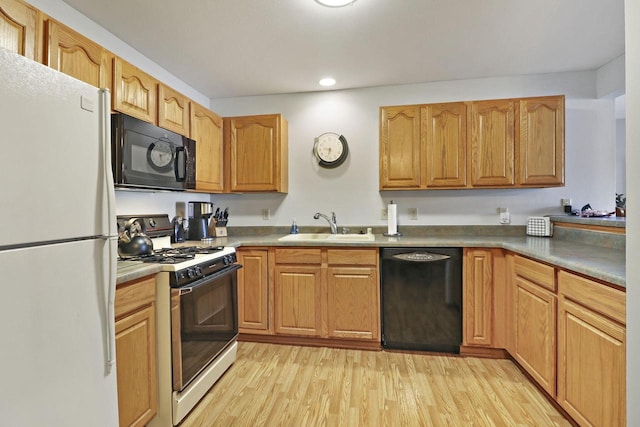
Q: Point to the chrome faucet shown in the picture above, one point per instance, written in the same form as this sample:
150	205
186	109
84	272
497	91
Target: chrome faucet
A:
331	221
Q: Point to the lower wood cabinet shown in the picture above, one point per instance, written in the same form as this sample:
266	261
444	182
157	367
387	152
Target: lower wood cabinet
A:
477	293
135	311
591	351
254	304
324	293
535	321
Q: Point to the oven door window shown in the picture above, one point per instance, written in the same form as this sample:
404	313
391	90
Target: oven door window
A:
208	323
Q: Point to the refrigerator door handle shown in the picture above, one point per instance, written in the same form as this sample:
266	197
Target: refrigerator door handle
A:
112	234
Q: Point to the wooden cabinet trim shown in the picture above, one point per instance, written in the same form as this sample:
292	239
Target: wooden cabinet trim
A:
133	294
173	110
600	298
21	29
298	256
537	272
352	256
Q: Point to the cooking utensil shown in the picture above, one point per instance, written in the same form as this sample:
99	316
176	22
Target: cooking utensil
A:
133	242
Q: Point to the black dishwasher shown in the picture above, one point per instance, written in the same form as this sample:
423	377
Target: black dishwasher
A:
422	299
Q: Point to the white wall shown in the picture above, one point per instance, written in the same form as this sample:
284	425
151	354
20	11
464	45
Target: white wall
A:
621	156
351	190
64	13
632	47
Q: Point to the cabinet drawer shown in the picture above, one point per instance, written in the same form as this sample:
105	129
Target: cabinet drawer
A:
596	296
298	256
540	274
352	256
134	294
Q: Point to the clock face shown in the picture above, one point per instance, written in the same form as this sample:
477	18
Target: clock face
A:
331	149
160	155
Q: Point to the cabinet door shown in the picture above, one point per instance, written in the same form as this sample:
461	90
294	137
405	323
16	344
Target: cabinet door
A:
541	141
477	297
400	147
20	28
136	352
445	126
134	91
257	153
206	130
353	303
298	295
173	110
253	291
591	351
535	337
75	55
491	143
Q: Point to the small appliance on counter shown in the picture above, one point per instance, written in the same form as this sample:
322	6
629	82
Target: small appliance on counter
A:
178	230
539	226
199	214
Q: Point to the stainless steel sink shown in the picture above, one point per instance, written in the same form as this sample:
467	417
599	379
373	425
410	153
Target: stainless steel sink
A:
326	237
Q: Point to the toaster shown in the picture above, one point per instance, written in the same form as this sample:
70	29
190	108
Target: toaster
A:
539	226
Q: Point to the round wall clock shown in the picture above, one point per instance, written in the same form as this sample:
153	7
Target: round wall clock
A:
160	155
330	149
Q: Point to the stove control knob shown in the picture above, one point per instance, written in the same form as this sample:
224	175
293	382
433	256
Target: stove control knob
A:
191	273
198	271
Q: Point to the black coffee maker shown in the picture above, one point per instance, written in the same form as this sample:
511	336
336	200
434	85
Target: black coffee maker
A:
199	214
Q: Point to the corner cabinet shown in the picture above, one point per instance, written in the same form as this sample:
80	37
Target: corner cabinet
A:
503	143
20	28
257	159
135	311
75	55
206	130
535	305
591	351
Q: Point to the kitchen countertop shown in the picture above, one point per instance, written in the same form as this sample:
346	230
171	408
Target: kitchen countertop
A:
610	221
601	263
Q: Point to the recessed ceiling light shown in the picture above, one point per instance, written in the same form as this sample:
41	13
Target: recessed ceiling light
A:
336	3
327	81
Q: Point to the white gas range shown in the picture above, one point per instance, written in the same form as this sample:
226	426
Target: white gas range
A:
197	320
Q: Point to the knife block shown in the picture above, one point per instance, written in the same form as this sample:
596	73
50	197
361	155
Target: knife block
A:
218	228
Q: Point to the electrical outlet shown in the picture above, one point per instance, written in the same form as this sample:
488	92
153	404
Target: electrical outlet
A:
413	213
504	216
266	214
383	213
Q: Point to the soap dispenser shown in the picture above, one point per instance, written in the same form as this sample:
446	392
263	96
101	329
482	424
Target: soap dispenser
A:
294	227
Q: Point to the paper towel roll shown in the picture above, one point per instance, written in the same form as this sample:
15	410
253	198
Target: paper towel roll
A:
392	219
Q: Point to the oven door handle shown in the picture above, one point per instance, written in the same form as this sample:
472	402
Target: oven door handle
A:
205	280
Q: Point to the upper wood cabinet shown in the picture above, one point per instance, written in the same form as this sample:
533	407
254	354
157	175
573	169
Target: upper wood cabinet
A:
20	28
541	141
445	145
491	143
475	144
134	91
75	55
206	130
257	159
400	147
173	110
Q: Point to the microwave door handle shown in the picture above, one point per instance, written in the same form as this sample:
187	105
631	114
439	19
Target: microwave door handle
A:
181	152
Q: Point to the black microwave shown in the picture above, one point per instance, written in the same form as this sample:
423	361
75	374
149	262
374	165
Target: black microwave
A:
146	156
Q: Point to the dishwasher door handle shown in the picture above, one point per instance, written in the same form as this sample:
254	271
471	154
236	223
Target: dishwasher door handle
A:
420	257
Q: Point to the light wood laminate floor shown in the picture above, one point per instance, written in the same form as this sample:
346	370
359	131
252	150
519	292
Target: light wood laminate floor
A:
278	385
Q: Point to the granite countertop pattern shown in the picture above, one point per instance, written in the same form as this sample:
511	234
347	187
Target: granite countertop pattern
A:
601	263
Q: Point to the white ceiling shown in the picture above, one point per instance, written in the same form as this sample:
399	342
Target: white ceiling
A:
230	48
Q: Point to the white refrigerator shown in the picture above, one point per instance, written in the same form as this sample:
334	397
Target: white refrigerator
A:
58	248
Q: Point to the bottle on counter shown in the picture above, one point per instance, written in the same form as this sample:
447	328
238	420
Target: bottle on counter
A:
294	227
